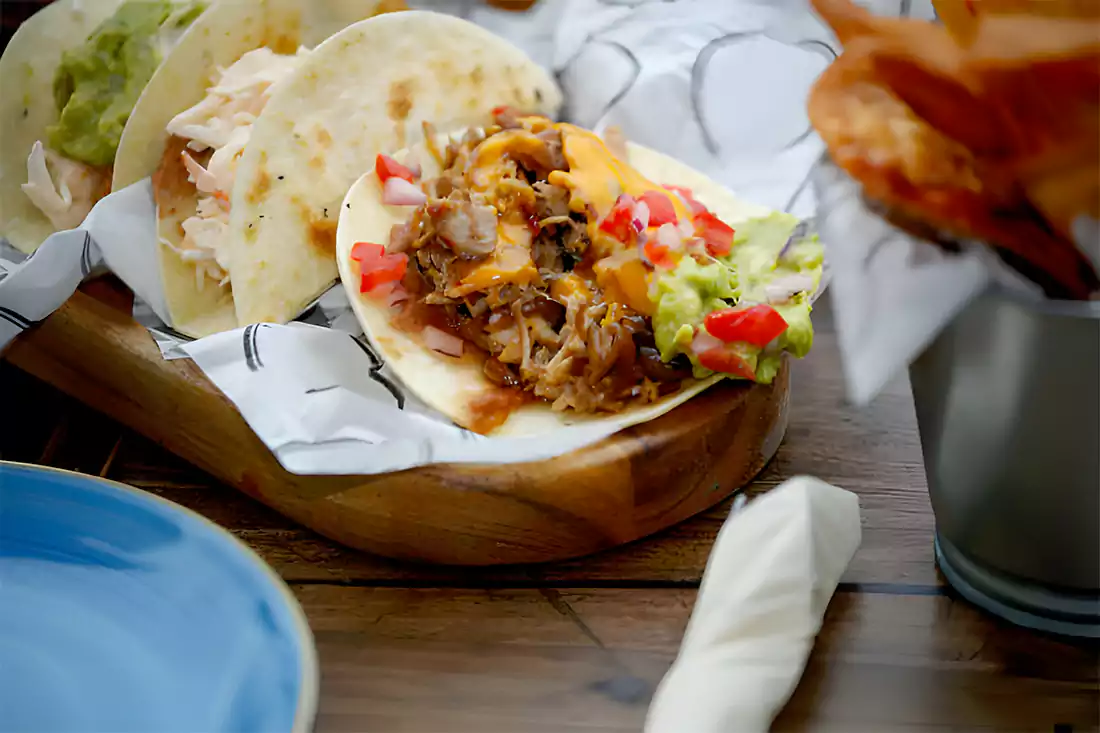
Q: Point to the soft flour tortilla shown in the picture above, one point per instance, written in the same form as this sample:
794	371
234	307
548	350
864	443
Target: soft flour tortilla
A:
222	35
27	105
451	385
365	90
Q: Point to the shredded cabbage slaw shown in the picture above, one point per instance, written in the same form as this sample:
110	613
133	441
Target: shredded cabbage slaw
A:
222	123
62	189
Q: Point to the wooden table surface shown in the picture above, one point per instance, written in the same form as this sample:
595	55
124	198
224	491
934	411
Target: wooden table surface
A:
580	645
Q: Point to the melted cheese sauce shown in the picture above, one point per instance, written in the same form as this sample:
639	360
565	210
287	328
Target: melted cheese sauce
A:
595	180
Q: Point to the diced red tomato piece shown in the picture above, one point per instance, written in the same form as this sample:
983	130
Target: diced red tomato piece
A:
619	222
757	325
716	234
386	168
377	270
660	208
685	193
501	109
367	252
725	361
658	254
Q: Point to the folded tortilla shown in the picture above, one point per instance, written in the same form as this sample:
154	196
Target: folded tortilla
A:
458	388
366	90
216	41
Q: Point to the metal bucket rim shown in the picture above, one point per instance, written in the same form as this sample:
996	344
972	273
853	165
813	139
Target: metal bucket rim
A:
1087	309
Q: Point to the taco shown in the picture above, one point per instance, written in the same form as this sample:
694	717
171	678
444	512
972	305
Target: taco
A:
72	75
193	123
366	90
520	276
253	166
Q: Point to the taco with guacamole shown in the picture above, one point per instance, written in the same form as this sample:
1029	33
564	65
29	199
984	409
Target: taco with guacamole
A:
250	170
72	74
521	275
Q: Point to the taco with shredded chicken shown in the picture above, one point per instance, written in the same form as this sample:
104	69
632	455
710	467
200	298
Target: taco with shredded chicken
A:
72	75
526	274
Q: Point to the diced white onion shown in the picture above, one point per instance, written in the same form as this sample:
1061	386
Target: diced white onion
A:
396	296
668	235
781	289
399	192
442	341
687	228
704	342
641	216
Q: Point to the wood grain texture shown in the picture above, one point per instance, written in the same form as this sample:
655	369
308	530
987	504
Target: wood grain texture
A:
638	481
431	660
580	645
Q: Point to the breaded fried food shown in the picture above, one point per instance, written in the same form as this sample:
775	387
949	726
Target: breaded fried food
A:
998	141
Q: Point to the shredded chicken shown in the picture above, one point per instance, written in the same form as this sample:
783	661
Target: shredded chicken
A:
62	189
468	227
217	129
565	345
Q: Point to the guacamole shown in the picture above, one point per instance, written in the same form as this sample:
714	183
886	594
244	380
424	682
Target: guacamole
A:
98	83
687	293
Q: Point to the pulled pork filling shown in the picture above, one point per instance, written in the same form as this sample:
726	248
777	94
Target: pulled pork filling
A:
498	258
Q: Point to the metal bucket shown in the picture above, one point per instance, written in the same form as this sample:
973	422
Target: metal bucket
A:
1008	406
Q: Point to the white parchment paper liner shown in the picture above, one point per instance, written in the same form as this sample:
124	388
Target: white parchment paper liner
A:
770	576
893	293
719	84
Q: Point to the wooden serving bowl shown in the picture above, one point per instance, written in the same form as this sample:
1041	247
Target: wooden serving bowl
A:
638	481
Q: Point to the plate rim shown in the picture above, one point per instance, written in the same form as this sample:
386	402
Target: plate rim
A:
305	712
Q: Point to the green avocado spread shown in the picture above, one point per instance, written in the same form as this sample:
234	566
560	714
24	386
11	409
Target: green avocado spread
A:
760	257
98	83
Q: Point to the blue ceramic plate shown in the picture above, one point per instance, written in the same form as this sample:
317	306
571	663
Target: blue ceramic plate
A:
122	612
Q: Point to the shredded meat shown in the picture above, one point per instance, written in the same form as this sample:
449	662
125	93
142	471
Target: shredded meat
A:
470	228
401	237
435	262
552	201
555	158
575	350
507	118
547	254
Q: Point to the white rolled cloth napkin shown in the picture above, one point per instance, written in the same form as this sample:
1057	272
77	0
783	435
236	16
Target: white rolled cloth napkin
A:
772	571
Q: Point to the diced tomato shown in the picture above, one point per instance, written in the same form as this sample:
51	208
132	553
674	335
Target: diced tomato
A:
660	208
757	325
378	268
724	361
364	252
689	199
387	168
716	234
658	254
619	222
501	109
